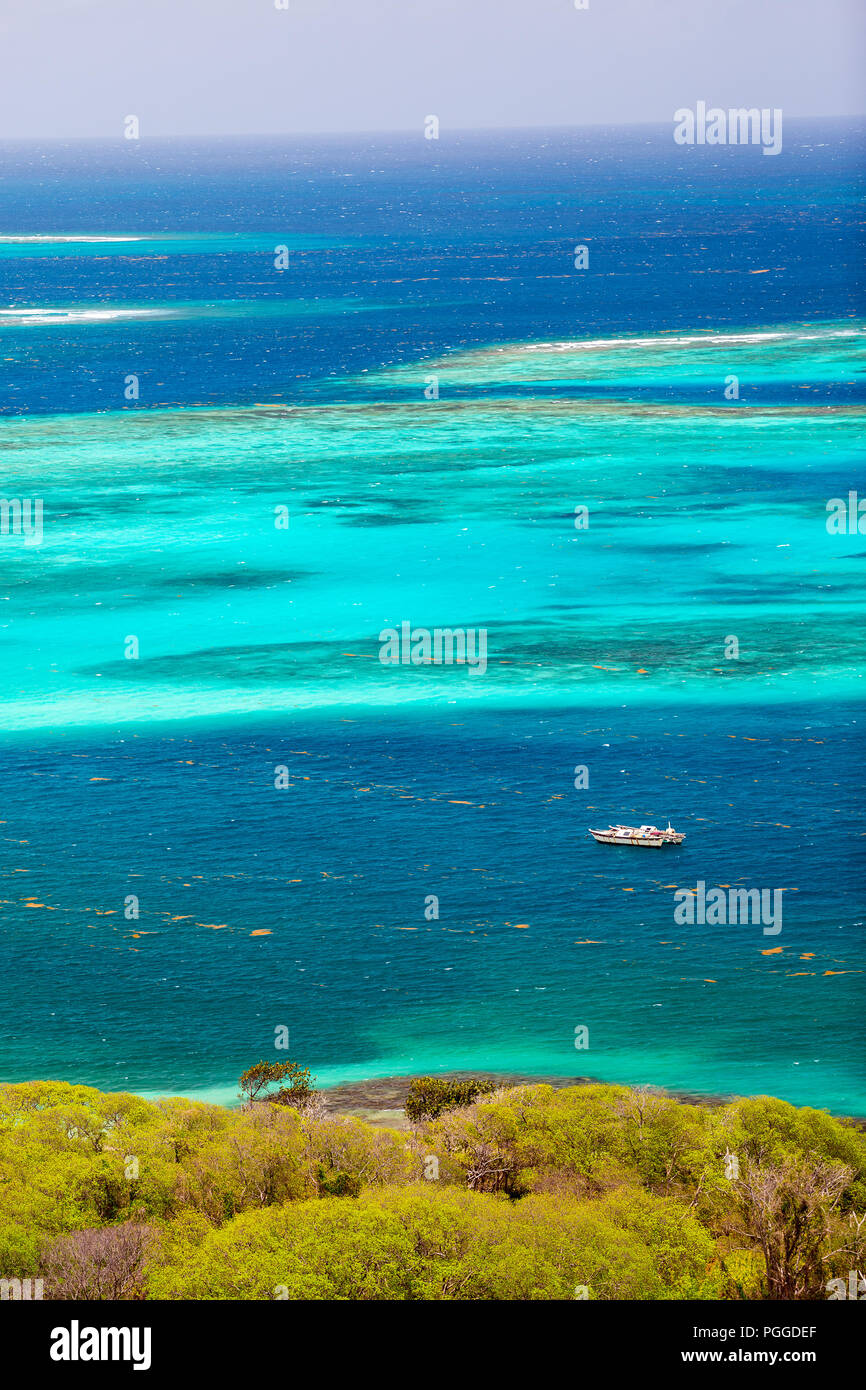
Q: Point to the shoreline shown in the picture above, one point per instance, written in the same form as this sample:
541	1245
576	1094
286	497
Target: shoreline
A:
381	1100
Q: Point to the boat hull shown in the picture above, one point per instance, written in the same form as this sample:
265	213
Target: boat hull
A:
645	841
665	837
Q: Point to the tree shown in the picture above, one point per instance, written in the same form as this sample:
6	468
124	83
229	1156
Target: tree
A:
102	1264
255	1081
787	1210
430	1095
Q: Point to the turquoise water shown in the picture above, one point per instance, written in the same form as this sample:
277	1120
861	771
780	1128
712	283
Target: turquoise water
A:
703	523
258	647
138	245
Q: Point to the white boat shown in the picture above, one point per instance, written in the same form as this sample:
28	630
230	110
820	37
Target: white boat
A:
648	836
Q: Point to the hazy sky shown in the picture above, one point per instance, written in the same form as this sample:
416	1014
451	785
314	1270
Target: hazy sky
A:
184	67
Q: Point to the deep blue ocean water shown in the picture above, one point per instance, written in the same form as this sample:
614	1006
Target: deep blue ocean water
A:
155	777
445	244
481	811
